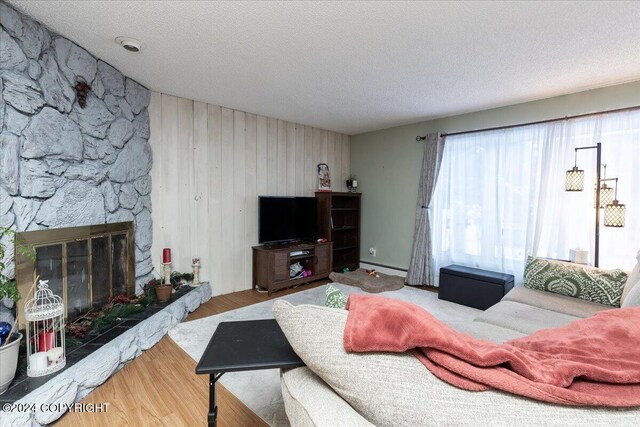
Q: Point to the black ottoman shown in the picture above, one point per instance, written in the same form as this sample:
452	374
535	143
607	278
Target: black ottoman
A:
473	287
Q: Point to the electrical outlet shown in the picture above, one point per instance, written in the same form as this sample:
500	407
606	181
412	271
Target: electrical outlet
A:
372	252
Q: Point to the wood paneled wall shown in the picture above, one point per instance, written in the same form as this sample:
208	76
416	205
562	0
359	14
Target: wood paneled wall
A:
210	164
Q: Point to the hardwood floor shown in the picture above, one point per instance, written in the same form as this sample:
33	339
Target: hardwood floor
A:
160	388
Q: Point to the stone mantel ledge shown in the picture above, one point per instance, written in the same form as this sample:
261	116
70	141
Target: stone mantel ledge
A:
73	384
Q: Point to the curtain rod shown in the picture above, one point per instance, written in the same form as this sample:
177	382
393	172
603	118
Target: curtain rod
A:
619	110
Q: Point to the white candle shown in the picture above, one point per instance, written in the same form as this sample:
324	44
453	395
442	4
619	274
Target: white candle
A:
55	355
38	361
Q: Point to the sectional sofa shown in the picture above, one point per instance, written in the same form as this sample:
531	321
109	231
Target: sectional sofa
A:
388	389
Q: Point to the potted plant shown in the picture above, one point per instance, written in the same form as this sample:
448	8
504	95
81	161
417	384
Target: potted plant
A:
9	350
9	337
163	292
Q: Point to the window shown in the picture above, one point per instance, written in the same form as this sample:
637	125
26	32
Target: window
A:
500	194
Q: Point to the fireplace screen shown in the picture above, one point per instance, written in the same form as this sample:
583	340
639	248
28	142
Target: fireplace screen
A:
85	265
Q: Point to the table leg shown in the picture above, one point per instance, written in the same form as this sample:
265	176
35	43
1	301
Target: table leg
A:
212	417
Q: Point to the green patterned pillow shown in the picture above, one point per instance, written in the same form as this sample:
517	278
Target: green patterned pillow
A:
335	297
574	280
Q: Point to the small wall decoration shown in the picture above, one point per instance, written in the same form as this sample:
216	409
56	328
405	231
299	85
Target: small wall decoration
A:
82	89
324	179
45	332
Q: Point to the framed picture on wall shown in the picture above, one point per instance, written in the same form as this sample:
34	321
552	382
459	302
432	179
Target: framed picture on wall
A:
324	179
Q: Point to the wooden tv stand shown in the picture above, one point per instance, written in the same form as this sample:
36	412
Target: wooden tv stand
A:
271	264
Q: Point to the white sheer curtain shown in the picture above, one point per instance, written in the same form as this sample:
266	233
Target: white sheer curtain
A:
500	194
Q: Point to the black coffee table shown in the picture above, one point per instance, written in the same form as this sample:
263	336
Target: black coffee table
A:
244	346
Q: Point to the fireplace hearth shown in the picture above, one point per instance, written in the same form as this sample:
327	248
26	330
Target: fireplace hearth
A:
86	265
100	354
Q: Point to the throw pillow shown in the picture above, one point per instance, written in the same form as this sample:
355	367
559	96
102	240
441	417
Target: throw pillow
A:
574	280
396	389
632	281
335	297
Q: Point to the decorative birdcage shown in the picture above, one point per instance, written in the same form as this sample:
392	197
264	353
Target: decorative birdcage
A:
44	314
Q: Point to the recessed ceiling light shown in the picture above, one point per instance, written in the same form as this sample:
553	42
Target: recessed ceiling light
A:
132	45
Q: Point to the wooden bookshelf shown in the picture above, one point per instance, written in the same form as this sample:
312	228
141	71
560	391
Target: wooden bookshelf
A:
339	222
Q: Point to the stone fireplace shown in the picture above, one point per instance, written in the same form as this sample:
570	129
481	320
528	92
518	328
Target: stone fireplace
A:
63	164
86	265
75	185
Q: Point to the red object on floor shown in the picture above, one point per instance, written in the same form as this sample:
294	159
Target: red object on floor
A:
593	361
46	340
166	255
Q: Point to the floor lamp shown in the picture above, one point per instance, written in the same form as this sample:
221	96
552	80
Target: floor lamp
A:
614	211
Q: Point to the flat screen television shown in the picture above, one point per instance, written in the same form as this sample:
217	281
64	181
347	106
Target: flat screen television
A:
284	219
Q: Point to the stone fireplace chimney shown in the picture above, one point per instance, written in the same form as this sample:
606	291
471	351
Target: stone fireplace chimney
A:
63	164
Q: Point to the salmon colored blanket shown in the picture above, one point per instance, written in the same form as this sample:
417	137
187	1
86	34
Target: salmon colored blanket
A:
594	361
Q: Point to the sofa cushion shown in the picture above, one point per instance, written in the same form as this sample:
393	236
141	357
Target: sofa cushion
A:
591	284
633	298
395	389
309	401
633	280
523	318
554	302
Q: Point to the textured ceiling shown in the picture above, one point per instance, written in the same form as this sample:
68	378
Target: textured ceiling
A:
353	66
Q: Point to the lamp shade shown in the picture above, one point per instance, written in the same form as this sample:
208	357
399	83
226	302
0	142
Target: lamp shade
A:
606	196
575	179
614	214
